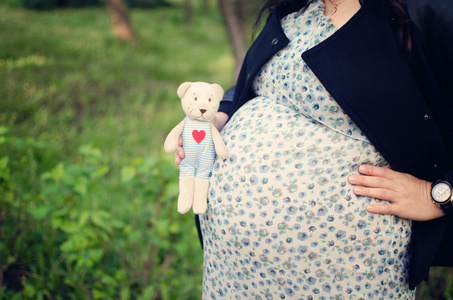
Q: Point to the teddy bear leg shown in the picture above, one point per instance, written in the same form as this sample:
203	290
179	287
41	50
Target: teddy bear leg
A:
186	194
200	202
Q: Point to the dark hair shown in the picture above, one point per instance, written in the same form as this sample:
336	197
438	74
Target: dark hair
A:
399	19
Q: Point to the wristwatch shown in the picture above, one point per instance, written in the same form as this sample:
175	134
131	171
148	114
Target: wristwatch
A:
441	193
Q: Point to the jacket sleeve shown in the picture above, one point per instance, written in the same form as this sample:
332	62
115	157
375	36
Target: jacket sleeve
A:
434	19
433	22
227	100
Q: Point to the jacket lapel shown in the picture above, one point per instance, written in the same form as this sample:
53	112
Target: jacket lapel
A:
362	68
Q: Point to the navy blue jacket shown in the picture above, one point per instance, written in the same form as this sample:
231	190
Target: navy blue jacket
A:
402	102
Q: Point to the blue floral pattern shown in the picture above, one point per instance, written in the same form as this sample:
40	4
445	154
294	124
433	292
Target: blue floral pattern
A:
282	220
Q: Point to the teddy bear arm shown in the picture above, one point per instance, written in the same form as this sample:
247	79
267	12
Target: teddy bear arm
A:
219	145
171	142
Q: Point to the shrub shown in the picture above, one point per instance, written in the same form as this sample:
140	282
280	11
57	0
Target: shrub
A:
63	240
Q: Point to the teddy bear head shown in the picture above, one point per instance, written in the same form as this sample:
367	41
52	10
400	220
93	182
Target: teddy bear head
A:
200	100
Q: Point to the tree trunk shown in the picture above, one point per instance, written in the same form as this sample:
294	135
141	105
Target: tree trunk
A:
188	12
243	16
120	19
236	34
204	5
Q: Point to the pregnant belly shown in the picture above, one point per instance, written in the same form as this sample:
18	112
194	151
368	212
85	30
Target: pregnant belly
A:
281	202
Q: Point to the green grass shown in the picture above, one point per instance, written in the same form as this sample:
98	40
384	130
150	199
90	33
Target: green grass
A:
67	82
66	79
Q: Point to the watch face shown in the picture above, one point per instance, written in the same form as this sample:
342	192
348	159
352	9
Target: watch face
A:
441	192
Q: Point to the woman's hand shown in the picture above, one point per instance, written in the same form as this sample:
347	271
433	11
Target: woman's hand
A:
409	196
179	153
219	121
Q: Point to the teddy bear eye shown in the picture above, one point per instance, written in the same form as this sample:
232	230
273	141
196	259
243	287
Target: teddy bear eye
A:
209	99
195	98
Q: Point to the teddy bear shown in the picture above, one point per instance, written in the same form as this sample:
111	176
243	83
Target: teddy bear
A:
201	141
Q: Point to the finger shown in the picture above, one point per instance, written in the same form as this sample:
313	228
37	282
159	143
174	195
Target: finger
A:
179	155
179	152
384	209
177	159
377	193
370	181
378	171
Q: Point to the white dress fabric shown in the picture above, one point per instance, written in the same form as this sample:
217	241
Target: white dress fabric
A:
282	220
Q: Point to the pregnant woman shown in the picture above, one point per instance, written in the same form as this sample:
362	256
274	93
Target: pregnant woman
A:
337	133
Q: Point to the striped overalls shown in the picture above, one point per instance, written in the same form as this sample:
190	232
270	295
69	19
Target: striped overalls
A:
198	148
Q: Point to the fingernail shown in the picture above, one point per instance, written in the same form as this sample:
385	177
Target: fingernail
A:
357	189
371	208
352	179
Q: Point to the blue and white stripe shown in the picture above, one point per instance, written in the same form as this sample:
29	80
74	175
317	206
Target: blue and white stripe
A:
199	155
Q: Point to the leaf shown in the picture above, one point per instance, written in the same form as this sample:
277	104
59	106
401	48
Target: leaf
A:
54	174
4	162
128	173
74	243
96	254
99	294
138	161
182	248
40	212
125	294
98	217
108	280
69	227
148	293
162	227
134	237
91	152
174	228
120	275
81	186
3	130
100	172
61	212
4	170
169	171
83	219
29	291
172	190
10	260
115	223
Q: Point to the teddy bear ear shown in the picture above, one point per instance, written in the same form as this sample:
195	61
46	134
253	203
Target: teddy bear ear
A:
218	89
183	88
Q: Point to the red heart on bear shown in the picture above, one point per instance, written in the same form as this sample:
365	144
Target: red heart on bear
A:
198	136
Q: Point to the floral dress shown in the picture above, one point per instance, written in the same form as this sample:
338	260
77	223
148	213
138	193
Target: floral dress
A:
282	220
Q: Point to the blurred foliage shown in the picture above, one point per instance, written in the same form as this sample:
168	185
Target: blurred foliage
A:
87	198
60	241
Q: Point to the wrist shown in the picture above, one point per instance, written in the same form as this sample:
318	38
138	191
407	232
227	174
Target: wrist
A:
220	120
